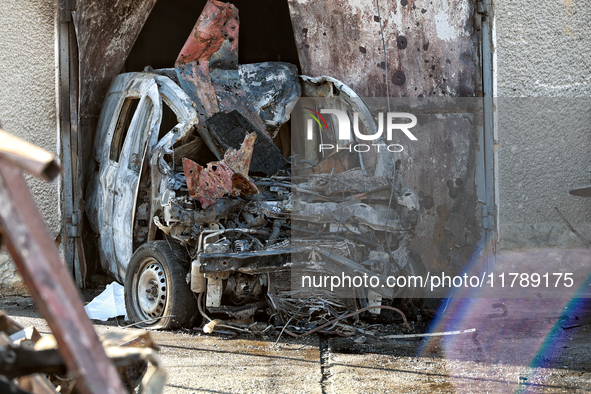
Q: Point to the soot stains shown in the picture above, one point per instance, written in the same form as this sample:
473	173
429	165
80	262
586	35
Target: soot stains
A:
426	201
399	78
401	42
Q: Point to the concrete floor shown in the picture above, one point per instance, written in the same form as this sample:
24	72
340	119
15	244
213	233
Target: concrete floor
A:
498	359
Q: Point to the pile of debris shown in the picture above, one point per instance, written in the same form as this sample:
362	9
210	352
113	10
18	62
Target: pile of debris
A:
31	362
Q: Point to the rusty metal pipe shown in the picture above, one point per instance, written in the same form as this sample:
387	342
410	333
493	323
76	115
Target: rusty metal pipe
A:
28	157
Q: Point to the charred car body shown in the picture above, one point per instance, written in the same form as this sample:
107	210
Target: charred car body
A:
200	213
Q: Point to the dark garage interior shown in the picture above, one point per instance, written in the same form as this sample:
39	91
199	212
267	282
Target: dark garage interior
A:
266	33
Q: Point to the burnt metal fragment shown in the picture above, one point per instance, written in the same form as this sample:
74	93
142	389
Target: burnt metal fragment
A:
228	129
273	89
212	43
229	176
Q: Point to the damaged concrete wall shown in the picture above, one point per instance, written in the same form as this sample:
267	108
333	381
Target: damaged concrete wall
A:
542	52
429	45
27	99
432	51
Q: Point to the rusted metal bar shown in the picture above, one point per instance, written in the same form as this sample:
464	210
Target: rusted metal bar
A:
76	143
66	187
28	157
52	287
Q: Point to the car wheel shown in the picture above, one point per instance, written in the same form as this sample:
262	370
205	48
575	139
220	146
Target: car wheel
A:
156	291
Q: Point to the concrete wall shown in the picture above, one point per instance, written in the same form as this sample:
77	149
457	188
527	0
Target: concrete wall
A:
28	98
544	145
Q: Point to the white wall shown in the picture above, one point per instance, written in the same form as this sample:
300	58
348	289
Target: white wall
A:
544	145
28	98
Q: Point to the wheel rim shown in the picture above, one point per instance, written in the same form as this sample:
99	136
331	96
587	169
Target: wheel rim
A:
150	289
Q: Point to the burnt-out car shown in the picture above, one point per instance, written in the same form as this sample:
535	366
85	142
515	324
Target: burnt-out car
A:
204	208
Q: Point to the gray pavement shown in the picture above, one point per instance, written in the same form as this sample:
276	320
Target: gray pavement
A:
487	363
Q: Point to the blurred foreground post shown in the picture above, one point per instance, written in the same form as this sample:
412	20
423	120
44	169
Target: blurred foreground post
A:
44	272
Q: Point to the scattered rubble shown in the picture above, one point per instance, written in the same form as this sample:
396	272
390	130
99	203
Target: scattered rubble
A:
32	363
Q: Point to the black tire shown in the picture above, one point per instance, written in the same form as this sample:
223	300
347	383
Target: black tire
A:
156	286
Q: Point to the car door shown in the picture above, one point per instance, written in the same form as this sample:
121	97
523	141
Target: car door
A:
112	127
146	119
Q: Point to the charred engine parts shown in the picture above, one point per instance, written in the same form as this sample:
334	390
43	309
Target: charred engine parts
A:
216	208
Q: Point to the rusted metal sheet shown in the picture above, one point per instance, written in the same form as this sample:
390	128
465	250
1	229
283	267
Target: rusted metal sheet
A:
431	50
207	184
239	160
230	176
208	70
215	33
